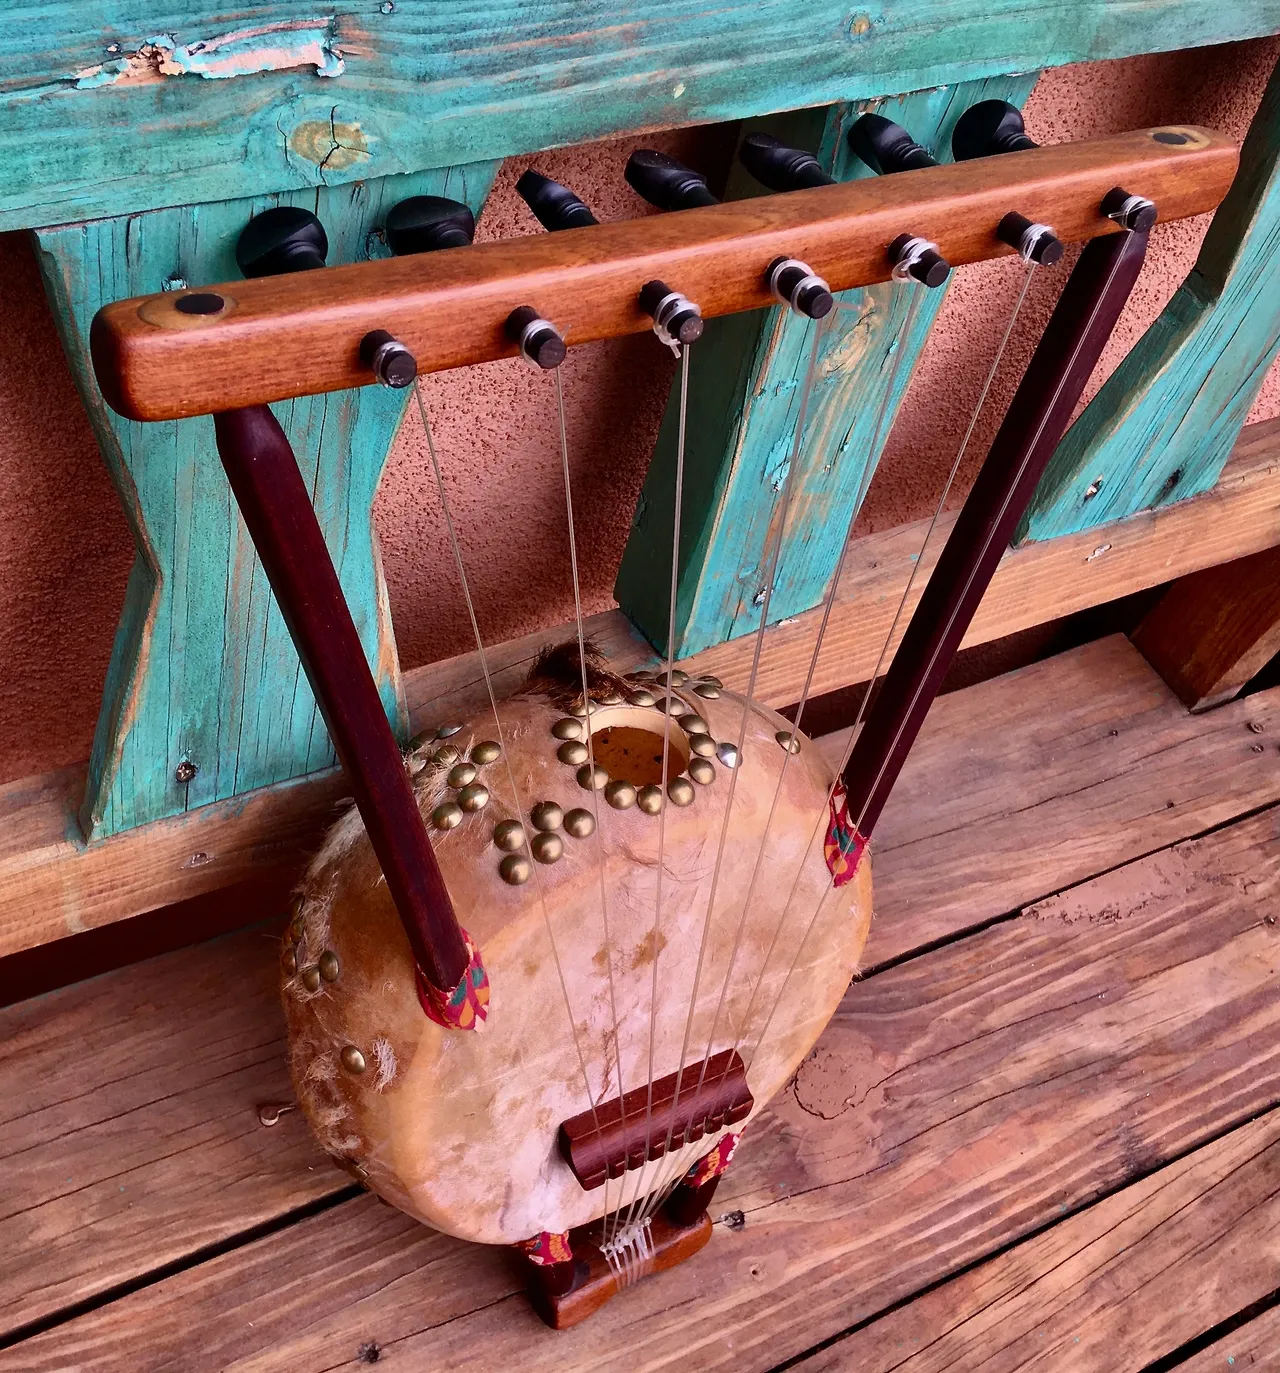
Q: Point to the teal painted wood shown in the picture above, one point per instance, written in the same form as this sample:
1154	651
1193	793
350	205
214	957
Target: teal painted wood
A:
1163	425
246	100
203	670
746	378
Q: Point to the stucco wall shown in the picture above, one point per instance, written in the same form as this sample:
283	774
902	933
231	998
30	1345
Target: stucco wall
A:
65	552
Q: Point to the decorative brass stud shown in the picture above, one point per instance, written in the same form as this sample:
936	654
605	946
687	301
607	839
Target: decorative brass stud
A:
461	774
641	697
672	706
788	740
693	724
328	965
486	751
447	731
680	790
611	698
352	1059
422	741
707	690
547	848
580	708
572	752
703	771
579	823
649	798
678	676
621	795
474	797
295	927
289	960
447	815
508	835
708	680
311	978
515	869
728	754
592	778
447	756
567	729
546	815
703	745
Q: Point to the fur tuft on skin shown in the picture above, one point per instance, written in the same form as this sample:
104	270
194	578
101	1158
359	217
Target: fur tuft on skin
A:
557	673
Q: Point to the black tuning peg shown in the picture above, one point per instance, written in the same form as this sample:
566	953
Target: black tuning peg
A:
553	205
539	341
676	319
285	239
666	183
995	126
779	167
887	147
425	223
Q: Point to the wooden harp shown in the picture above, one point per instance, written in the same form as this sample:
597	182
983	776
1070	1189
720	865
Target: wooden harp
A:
648	892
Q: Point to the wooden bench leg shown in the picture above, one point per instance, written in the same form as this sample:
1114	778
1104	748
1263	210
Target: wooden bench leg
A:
1212	631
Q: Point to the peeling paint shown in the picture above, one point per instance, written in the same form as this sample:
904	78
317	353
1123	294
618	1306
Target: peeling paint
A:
269	47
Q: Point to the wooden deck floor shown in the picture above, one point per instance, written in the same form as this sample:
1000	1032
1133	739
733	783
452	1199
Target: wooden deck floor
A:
1043	1130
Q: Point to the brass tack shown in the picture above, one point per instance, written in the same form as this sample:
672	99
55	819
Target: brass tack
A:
415	764
547	848
703	745
649	798
289	960
447	756
788	740
621	795
728	754
708	680
546	815
515	869
421	741
567	729
579	823
703	771
573	752
673	706
328	965
461	774
693	724
680	790
474	797
447	731
486	751
447	815
311	978
592	778
508	834
611	698
641	697
678	676
580	709
707	690
352	1059
295	928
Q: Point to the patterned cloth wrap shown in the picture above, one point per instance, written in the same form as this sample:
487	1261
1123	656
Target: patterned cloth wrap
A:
712	1164
551	1246
466	1007
844	846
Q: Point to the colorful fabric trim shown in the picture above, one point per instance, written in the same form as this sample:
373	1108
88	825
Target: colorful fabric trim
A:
712	1164
844	846
547	1248
467	1006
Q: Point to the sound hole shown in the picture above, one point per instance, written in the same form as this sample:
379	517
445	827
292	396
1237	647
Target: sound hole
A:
631	753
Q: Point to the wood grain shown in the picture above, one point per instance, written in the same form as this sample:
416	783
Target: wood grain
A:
1255	1345
424	85
299	334
957	1103
57	886
1212	631
1118	1285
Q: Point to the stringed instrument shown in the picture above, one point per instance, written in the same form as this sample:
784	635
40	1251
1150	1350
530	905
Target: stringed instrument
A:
557	957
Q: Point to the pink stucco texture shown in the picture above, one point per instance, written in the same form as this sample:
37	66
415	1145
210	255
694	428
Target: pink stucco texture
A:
65	551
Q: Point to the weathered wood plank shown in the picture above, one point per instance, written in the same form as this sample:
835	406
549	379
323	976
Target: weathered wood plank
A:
1254	1345
57	886
746	380
1211	632
203	671
424	85
1122	1283
958	1102
1163	424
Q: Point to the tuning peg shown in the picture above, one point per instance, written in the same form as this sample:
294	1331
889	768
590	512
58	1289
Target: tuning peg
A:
554	206
887	147
794	283
779	167
388	359
539	341
676	319
285	239
919	260
425	223
1035	242
666	183
995	126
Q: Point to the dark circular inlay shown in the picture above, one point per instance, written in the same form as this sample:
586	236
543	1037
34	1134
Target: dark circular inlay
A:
1168	136
200	303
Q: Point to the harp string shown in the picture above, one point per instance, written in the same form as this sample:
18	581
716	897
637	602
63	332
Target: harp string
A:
456	549
772	555
1028	275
